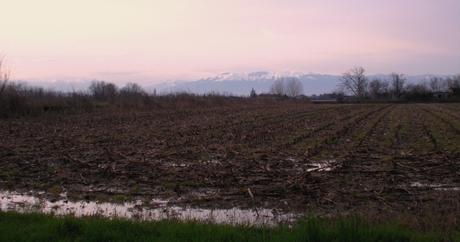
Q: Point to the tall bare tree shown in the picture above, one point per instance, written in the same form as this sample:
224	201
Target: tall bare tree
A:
253	93
454	85
397	84
355	82
103	90
132	89
4	77
277	87
293	87
378	88
436	84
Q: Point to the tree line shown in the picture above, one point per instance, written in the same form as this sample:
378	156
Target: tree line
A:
20	100
17	99
359	87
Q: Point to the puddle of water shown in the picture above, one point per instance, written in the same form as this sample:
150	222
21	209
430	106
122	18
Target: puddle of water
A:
156	210
437	187
211	162
318	165
173	164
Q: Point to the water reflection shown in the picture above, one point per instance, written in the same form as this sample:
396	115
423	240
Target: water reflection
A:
154	210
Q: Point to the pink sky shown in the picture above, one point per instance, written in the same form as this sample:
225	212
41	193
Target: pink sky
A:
158	40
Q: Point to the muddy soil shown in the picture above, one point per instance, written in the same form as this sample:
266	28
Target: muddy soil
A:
380	160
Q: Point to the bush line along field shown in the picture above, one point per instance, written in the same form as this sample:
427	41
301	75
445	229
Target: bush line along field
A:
18	100
37	228
378	160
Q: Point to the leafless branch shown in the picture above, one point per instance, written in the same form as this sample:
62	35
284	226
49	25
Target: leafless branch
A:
355	82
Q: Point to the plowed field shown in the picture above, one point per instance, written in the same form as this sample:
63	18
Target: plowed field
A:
330	159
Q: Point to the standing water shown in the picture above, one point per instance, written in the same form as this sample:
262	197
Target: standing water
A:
154	210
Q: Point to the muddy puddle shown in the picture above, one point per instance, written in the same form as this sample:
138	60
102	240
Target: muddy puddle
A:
316	165
322	165
153	210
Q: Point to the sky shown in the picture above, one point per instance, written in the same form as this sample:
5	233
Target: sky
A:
151	41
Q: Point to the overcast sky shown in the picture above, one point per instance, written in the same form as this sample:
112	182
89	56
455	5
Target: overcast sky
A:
157	40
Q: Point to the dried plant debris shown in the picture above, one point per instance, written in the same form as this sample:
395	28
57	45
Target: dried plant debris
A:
331	159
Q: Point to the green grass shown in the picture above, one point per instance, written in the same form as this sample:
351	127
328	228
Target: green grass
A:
36	227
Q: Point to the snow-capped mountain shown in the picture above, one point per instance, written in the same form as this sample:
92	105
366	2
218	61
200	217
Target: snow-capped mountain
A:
242	83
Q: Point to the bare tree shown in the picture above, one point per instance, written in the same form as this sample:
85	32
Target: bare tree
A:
277	87
378	88
355	82
103	90
397	84
131	89
454	85
253	93
436	84
293	87
4	77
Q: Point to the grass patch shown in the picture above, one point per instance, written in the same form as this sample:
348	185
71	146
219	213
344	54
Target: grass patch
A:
36	227
120	198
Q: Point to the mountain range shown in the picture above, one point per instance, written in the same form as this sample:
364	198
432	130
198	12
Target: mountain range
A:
242	83
239	84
